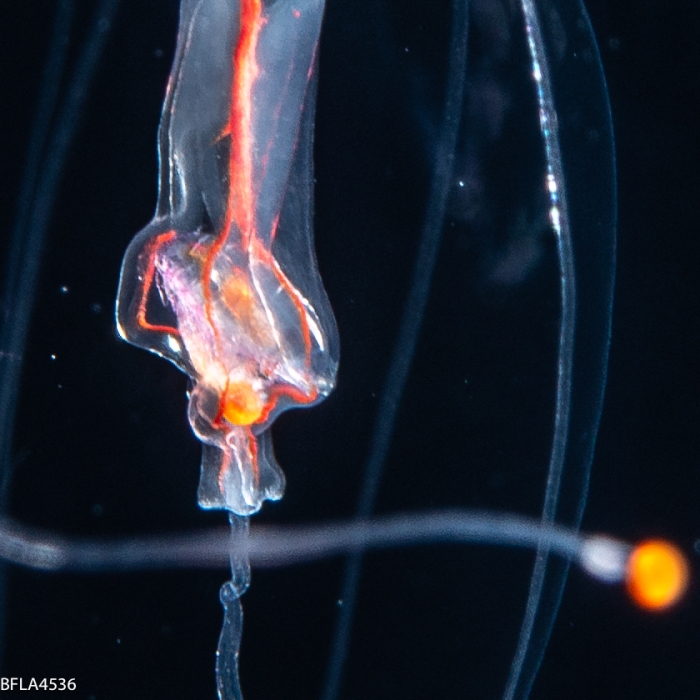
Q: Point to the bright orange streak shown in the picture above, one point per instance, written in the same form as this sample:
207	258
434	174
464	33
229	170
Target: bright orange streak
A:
295	394
241	198
148	277
253	445
240	205
657	575
267	257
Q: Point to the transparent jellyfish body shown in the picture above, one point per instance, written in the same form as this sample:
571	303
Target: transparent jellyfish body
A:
102	446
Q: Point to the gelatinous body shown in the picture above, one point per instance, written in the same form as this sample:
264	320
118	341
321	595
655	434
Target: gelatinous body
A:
224	282
102	449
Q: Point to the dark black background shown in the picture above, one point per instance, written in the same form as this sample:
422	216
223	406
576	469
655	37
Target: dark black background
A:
102	446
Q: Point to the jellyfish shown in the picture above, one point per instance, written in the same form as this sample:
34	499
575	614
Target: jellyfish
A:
109	450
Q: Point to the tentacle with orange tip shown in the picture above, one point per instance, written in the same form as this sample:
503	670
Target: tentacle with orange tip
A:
655	572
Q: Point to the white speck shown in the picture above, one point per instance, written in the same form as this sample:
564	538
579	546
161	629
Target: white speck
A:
53	357
604	558
174	344
64	290
554	217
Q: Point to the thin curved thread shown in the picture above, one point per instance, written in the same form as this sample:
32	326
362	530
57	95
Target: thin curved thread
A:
13	312
560	223
37	197
269	546
39	186
404	349
10	351
228	682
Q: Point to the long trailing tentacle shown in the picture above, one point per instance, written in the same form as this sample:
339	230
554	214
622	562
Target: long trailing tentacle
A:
42	176
409	331
586	272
